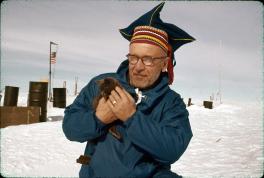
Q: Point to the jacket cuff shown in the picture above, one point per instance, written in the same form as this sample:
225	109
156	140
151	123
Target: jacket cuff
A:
128	122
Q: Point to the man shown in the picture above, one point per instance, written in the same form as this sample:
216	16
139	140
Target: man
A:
154	126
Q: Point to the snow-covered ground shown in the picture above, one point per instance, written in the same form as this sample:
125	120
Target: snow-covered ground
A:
227	142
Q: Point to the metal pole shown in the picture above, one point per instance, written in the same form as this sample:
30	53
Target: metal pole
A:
50	82
50	97
220	85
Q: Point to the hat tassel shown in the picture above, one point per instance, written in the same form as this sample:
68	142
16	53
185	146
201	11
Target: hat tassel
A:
170	66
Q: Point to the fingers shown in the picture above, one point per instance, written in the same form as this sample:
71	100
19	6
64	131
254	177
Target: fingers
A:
124	93
102	100
120	92
119	96
112	100
115	96
110	104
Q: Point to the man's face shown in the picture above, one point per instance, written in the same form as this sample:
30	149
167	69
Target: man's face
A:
140	75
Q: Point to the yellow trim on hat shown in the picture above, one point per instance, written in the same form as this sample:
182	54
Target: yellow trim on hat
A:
182	39
151	38
124	33
145	27
154	13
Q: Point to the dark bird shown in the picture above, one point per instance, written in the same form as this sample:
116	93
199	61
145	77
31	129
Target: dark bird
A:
105	87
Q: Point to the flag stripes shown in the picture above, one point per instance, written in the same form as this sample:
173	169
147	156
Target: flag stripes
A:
53	57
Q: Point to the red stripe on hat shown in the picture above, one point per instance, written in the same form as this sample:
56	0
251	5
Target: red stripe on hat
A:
152	29
143	40
151	34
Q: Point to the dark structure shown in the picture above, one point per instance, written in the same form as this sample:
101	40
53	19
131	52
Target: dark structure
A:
189	101
11	96
59	97
38	96
208	104
12	115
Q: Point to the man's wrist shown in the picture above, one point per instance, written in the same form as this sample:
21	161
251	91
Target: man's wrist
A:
99	121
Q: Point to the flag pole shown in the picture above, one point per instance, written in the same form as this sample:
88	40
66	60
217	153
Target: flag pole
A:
50	97
50	62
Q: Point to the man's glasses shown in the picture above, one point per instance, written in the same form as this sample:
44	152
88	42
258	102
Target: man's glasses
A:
146	60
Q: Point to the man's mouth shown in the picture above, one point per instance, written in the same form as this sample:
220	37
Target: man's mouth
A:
139	75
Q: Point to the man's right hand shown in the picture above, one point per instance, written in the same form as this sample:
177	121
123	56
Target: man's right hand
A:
104	112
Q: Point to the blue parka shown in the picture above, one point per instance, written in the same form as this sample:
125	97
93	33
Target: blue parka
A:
153	138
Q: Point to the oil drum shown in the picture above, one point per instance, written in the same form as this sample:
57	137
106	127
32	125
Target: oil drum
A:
38	96
11	96
59	97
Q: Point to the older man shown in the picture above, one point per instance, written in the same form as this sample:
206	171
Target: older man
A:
154	126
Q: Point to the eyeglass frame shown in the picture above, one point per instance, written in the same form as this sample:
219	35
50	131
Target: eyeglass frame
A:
142	59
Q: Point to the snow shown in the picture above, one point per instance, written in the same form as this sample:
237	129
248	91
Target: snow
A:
227	142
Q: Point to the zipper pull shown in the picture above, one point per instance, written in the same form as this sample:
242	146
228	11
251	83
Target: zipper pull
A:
139	96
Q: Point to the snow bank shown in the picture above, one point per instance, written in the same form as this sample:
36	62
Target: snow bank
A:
227	142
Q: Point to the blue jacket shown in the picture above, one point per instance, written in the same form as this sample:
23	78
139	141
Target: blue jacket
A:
152	139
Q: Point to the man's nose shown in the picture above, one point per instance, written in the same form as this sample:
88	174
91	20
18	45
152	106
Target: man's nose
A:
139	66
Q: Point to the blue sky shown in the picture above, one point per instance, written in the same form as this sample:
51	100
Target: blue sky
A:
228	43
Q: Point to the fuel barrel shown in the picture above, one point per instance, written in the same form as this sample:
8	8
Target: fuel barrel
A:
11	96
59	97
208	104
38	96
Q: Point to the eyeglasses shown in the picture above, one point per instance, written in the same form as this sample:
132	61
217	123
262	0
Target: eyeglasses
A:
146	60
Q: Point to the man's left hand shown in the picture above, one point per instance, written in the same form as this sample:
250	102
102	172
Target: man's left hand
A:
121	103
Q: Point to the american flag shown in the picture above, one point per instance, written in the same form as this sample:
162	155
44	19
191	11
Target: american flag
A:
53	57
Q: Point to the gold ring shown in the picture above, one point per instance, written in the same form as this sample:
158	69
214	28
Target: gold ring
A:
114	102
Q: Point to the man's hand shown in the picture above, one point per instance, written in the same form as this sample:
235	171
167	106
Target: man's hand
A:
104	112
121	103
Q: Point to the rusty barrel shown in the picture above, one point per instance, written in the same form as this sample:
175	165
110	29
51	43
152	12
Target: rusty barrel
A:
11	96
38	96
59	97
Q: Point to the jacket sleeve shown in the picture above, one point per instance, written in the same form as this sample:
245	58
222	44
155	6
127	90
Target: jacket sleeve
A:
164	141
80	122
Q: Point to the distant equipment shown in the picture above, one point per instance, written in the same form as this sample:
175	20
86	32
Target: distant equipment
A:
208	104
76	86
38	96
59	97
11	96
189	101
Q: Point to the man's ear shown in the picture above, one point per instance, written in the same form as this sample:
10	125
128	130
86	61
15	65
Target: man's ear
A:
165	65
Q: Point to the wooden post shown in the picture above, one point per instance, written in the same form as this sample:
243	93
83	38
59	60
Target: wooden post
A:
189	101
76	85
64	84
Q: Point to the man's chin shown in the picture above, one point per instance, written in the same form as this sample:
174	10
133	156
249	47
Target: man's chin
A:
140	85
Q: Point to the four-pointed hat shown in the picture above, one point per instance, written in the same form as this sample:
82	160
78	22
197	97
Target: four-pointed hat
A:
176	37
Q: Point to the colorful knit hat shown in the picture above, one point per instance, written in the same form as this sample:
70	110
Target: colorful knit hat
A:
149	28
151	35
